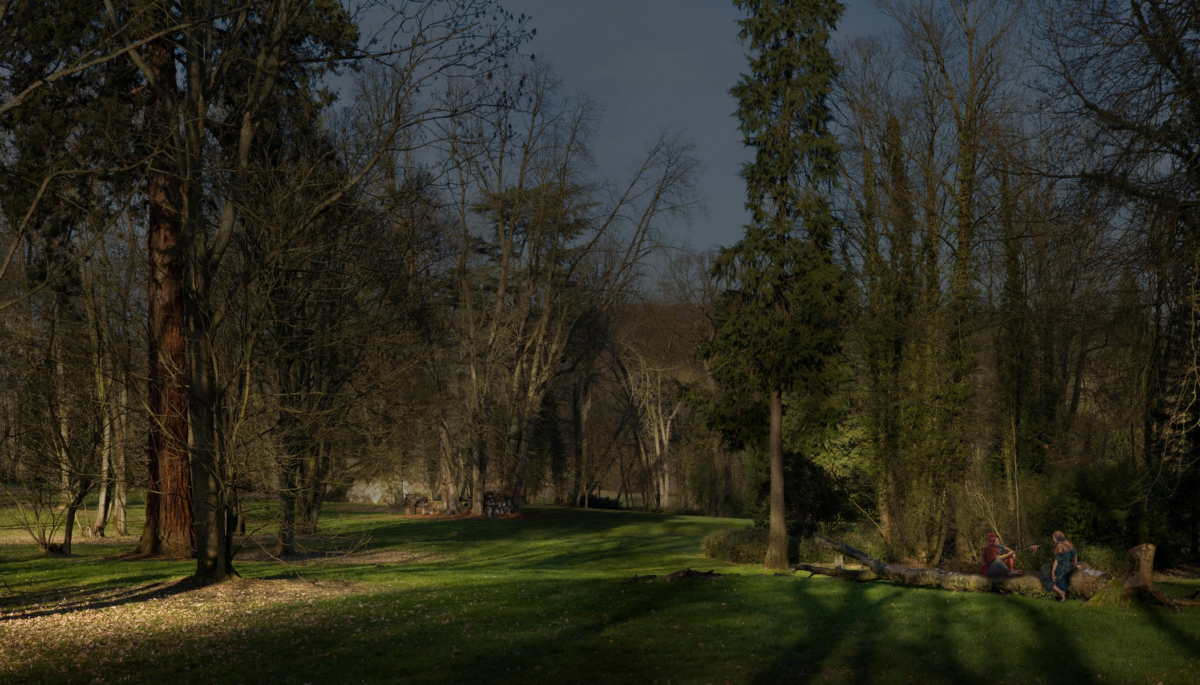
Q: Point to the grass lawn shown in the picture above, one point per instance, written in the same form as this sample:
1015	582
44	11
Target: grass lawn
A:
539	599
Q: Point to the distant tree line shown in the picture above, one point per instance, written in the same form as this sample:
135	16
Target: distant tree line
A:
965	301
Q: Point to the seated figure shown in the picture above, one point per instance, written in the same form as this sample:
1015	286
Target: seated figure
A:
997	559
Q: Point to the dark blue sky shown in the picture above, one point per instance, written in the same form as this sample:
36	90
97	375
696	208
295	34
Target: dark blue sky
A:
664	63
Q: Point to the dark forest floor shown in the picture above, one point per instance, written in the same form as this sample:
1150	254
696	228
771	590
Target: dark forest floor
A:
382	598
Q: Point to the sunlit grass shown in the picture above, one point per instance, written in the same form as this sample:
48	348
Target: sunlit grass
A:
541	599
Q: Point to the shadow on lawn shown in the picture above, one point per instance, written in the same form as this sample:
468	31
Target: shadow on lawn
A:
1160	619
576	538
810	631
929	653
71	599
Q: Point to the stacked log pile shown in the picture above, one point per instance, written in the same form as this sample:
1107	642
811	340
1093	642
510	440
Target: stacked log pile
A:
495	505
418	505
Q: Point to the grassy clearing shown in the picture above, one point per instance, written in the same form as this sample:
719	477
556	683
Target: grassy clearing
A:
539	600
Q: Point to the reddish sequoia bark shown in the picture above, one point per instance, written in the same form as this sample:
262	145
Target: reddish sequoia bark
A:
168	528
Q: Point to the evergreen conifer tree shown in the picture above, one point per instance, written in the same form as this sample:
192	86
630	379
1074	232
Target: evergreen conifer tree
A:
777	323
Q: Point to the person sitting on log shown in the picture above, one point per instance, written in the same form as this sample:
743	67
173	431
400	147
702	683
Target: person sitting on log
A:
997	559
1065	561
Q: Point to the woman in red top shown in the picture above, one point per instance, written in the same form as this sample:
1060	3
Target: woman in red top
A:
997	560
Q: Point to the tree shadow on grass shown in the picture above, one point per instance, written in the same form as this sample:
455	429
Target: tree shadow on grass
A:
839	635
592	630
71	599
1165	623
575	539
890	646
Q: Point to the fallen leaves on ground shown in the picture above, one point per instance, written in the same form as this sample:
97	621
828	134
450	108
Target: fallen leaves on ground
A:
132	623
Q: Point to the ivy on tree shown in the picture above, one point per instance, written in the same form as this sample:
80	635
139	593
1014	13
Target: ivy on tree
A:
777	324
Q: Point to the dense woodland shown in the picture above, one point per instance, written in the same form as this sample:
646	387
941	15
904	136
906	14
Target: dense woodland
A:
254	253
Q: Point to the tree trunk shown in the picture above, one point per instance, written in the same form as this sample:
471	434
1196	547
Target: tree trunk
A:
169	525
449	483
1084	581
97	359
121	489
479	463
887	495
210	489
666	483
777	539
520	494
577	445
72	507
286	540
1137	583
64	435
313	495
1141	567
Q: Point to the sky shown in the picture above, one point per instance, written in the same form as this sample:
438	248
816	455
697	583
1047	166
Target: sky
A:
664	63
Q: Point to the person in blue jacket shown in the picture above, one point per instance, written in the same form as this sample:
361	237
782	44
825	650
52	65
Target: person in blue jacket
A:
1065	561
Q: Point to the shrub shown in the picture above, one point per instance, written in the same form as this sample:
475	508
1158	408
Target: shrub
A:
862	537
736	546
740	545
1111	560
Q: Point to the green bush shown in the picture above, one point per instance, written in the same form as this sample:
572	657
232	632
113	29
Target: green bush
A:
864	538
740	545
1111	560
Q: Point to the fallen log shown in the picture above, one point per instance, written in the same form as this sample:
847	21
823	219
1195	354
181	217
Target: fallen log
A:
1084	581
859	575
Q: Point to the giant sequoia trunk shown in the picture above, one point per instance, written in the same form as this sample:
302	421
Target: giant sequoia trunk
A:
1084	581
168	528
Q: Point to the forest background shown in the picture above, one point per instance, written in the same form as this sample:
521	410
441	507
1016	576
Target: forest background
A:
427	282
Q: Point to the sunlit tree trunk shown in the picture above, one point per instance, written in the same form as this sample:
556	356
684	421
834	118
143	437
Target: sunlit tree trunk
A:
102	403
449	482
121	485
777	536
